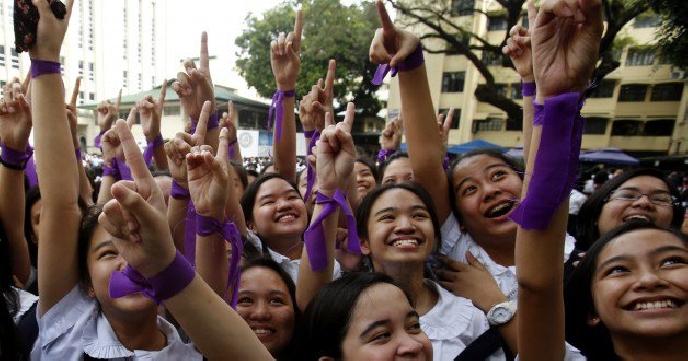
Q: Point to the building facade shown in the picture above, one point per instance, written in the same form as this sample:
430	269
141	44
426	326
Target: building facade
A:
640	107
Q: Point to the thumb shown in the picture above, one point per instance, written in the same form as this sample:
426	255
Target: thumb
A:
474	261
132	202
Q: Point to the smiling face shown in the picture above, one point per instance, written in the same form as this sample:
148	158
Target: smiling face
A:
279	211
400	229
640	286
617	211
398	171
265	304
384	326
486	189
364	179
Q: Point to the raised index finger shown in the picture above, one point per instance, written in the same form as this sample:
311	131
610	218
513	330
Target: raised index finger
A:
349	117
75	92
329	79
163	92
386	21
132	153
119	99
202	127
204	60
296	44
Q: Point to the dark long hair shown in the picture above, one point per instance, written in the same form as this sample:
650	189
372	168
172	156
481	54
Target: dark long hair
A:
10	339
327	317
32	196
595	342
587	227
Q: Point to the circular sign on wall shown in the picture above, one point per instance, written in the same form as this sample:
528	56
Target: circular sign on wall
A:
245	139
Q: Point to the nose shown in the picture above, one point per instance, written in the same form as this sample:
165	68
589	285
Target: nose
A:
283	204
409	346
490	190
649	279
404	225
260	311
643	201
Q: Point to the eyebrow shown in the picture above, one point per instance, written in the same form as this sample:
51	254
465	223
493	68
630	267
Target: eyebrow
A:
270	195
102	245
392	209
654	252
654	191
458	185
376	324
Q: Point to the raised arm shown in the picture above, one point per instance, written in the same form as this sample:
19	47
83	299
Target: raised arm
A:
335	160
565	48
15	127
217	330
57	171
394	46
151	114
229	121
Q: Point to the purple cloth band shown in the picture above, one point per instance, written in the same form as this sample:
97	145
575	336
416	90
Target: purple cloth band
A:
411	62
383	154
40	67
445	163
96	141
213	122
556	161
15	159
277	108
179	192
206	226
230	151
111	171
310	172
160	287
190	233
150	149
309	133
527	89
315	234
78	154
31	173
124	170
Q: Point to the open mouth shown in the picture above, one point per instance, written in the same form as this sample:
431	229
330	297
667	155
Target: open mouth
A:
653	305
499	210
287	217
405	243
636	217
264	331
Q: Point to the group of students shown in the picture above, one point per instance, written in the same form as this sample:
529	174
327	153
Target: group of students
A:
342	261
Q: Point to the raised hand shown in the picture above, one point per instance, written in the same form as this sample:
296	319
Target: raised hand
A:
390	45
71	111
285	56
195	86
15	116
323	98
391	136
518	47
208	178
180	146
229	121
107	112
150	112
565	39
335	153
445	123
50	32
136	217
112	147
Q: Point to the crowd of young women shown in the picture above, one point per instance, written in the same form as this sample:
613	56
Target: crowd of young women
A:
343	261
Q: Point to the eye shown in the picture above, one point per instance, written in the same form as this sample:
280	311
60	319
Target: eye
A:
613	270
498	174
245	301
386	217
671	261
420	215
108	253
383	336
468	190
414	327
388	181
277	301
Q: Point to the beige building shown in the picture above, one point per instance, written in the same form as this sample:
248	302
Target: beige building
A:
640	107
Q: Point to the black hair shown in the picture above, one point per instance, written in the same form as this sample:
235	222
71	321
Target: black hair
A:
32	197
587	221
248	200
327	317
11	344
265	166
371	165
595	342
87	227
241	172
389	161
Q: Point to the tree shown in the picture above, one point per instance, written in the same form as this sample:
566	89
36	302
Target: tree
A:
330	31
673	34
446	33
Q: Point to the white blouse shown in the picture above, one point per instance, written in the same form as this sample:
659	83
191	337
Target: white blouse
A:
75	326
452	324
455	244
26	300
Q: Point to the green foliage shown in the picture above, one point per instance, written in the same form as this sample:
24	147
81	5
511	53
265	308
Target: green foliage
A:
673	34
330	31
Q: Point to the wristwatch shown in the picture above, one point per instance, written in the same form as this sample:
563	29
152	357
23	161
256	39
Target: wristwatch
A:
501	313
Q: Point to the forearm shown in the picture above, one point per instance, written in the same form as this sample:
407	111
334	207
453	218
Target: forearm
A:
176	218
528	112
233	210
104	193
211	262
216	329
236	154
12	205
284	149
85	189
160	158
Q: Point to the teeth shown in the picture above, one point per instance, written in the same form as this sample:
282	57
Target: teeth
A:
655	305
286	216
405	242
500	208
262	331
637	216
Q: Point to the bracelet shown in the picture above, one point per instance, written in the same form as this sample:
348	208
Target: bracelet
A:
279	112
77	152
314	236
179	192
15	159
206	226
527	89
383	154
96	141
309	133
150	149
111	171
124	170
41	67
230	151
445	163
164	285
412	61
213	122
310	172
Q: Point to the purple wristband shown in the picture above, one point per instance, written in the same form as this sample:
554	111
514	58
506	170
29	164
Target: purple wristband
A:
15	159
111	171
383	154
78	154
231	149
527	89
150	149
166	284
124	170
213	122
40	67
206	226
310	172
412	61
556	161
96	141
314	236
445	163
179	192
276	107
309	133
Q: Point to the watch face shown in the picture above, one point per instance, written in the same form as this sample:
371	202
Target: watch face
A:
502	315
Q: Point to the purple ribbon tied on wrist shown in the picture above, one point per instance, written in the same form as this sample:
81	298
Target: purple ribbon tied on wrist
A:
411	62
150	149
314	236
207	226
190	233
383	154
96	141
277	108
166	284
310	172
560	143
213	122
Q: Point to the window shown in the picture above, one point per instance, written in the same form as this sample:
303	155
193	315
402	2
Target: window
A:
638	57
626	127
525	22
647	21
91	16
502	89
2	51
659	127
140	84
462	7
125	81
464	38
14	57
453	82
172	110
496	23
91	96
488	125
667	92
595	125
125	28
516	91
492	59
81	68
632	93
456	122
91	71
604	90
